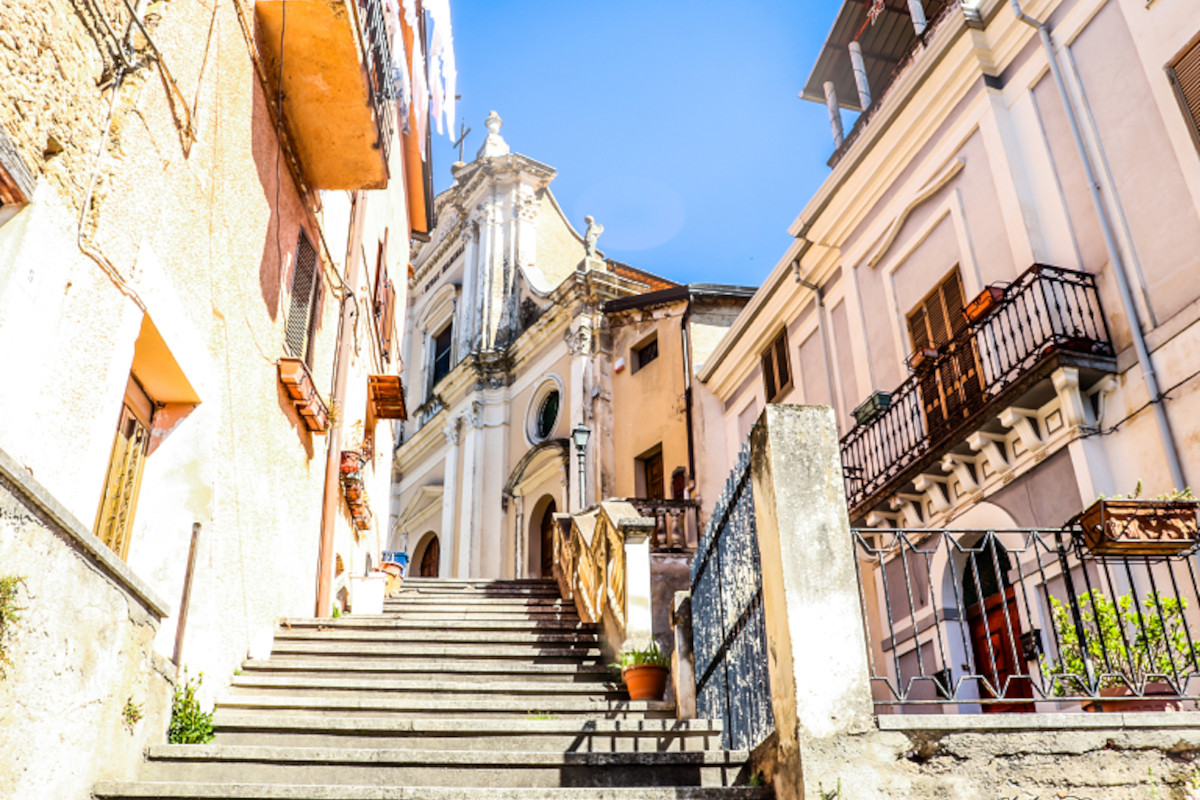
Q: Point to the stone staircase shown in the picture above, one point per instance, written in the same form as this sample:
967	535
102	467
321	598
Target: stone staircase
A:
461	690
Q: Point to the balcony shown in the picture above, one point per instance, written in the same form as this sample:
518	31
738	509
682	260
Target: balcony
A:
335	86
1014	379
676	522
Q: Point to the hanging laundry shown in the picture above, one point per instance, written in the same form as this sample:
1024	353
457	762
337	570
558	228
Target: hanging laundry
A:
419	113
401	83
443	72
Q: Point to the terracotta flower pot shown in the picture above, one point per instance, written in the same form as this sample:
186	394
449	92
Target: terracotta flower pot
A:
1151	700
352	461
645	681
1140	527
983	305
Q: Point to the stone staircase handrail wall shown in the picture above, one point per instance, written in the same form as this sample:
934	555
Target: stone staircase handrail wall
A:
602	565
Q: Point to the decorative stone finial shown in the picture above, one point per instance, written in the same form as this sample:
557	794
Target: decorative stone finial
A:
594	230
494	144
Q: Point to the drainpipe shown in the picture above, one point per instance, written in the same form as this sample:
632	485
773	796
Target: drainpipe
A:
821	332
1114	255
330	499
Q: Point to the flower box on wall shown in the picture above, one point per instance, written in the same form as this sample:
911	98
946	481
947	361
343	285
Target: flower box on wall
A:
385	393
298	382
922	358
983	305
872	407
1140	527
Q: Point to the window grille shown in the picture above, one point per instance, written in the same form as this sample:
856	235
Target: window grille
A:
299	326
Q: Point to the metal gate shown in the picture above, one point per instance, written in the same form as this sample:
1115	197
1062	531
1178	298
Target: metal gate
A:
729	632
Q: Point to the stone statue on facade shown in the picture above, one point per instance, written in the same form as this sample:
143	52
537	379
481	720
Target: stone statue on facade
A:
589	238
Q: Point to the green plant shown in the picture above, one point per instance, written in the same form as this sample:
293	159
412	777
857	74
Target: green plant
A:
540	715
651	655
337	612
132	714
1175	494
757	779
1138	643
10	615
832	795
189	723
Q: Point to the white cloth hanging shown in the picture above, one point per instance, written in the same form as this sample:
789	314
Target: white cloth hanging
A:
401	83
419	113
443	72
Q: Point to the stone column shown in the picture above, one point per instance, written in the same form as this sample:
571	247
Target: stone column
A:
820	689
835	114
639	618
468	540
860	75
449	500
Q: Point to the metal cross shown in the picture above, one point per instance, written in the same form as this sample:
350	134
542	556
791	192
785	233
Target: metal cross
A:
463	131
877	8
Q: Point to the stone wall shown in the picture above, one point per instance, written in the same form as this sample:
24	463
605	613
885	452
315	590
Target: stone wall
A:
81	651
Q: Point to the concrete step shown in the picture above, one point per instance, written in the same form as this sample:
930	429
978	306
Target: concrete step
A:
413	651
461	671
404	613
481	600
561	734
126	790
434	635
443	687
408	767
418	627
458	707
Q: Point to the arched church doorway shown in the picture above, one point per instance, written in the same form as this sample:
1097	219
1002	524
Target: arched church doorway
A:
426	556
547	540
994	622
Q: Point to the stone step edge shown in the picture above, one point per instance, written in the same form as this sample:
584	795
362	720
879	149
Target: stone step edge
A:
456	687
252	791
379	756
228	720
574	706
385	621
500	667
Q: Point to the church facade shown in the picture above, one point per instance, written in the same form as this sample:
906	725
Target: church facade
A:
508	367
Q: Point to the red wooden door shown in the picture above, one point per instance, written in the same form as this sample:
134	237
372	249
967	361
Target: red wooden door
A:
996	644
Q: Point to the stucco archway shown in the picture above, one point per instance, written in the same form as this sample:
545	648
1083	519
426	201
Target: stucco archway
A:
425	557
540	534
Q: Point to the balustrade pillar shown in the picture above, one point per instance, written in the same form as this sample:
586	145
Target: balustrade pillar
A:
860	75
835	114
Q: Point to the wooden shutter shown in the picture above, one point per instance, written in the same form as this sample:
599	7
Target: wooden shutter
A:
298	327
938	322
388	320
1185	77
768	371
114	518
777	372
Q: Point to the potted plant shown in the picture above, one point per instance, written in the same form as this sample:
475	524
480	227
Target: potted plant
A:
1140	645
983	305
1136	527
645	671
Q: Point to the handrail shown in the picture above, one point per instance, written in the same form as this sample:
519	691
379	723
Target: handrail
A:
602	564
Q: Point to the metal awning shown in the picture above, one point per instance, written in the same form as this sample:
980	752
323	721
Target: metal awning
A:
885	43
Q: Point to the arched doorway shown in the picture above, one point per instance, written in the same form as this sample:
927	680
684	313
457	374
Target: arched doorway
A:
547	540
994	622
426	557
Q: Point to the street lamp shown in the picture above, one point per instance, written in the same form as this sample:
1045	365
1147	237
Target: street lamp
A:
580	437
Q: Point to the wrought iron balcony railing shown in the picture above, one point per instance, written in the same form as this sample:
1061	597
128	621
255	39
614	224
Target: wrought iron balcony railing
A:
1046	314
378	66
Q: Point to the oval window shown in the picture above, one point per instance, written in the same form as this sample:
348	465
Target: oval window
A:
547	414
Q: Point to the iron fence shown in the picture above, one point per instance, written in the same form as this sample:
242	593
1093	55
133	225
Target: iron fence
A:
1025	620
378	66
1044	313
728	629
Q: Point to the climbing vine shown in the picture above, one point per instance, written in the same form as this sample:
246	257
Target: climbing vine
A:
10	615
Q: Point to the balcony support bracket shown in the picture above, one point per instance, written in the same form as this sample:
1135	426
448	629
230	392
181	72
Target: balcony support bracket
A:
990	445
909	506
1025	422
935	490
963	469
1076	409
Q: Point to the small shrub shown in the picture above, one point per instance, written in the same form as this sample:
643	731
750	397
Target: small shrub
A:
132	714
189	723
10	615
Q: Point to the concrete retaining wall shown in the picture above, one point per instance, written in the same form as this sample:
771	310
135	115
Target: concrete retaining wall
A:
81	651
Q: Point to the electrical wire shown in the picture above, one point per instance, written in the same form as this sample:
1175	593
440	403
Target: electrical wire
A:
1162	396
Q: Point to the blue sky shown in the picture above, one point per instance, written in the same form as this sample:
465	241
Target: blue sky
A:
675	124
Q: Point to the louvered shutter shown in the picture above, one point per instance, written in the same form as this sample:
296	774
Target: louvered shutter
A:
304	284
389	320
768	371
783	370
1185	76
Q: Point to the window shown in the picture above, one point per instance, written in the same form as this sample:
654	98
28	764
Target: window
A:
1184	73
302	316
114	519
944	358
443	345
384	302
777	373
644	353
16	180
547	415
